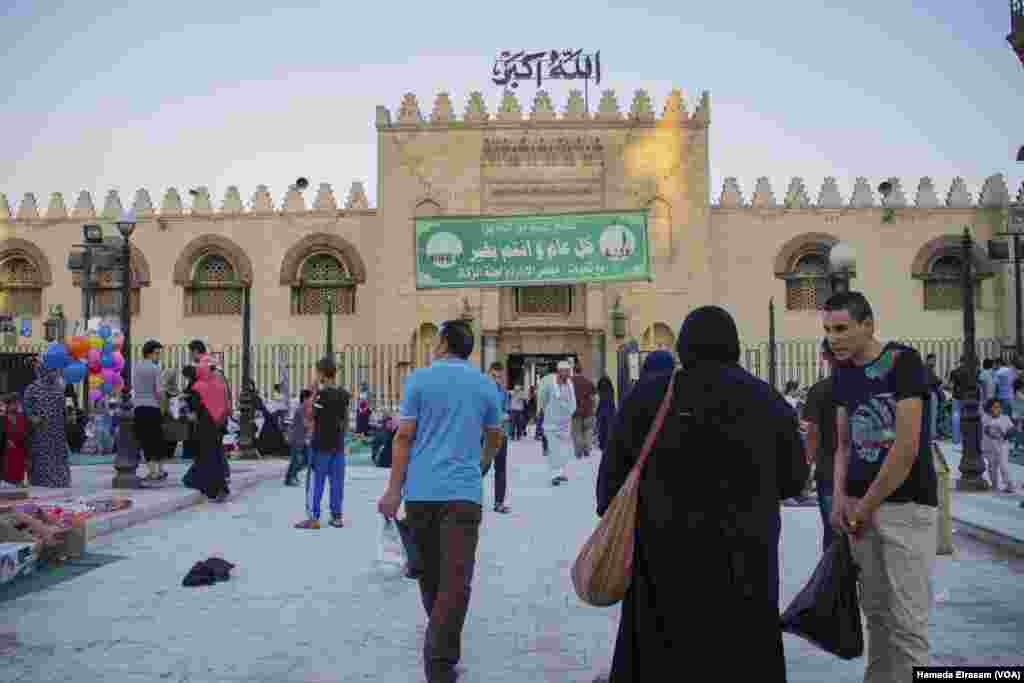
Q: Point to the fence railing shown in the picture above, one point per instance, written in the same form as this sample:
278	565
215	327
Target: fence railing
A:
800	359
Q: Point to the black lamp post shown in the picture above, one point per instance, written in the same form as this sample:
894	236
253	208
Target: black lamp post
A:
329	313
247	399
773	369
971	465
126	463
999	250
1016	36
841	260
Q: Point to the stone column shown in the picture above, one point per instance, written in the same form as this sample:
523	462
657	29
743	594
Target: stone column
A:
490	350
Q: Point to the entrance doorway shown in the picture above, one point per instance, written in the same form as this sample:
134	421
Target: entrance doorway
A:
527	369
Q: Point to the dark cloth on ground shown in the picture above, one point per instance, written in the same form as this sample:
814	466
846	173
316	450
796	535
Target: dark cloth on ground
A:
208	572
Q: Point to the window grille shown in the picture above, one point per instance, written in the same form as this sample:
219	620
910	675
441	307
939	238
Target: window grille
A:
215	288
20	291
942	288
544	300
326	285
807	288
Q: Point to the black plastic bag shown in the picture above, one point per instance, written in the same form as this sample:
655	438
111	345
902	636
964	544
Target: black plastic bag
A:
827	611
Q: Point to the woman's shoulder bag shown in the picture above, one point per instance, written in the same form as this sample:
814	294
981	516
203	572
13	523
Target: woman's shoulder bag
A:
604	567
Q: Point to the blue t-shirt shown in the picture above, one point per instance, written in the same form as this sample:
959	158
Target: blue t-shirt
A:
452	403
1005	377
869	394
988	382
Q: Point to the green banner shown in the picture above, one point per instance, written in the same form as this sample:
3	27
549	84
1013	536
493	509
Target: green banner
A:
523	250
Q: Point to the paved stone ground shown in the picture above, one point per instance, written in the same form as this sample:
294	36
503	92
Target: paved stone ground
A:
310	606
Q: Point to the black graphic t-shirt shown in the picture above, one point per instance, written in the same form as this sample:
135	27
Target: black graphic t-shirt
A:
869	394
330	417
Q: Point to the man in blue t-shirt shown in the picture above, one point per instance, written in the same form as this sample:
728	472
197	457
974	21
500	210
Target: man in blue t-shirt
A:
437	467
1005	375
884	487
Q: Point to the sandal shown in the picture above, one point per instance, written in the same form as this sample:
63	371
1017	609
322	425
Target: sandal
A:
337	522
503	509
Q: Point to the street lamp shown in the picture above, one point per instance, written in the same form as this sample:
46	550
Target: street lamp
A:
54	329
841	261
998	250
247	396
971	465
126	463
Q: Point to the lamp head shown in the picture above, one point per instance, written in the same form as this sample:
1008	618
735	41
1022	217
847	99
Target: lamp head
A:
885	189
302	183
126	223
842	257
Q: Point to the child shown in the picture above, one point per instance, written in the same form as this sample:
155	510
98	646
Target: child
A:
13	444
330	419
298	440
995	428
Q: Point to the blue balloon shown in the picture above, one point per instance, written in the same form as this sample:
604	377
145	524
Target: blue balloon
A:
104	332
107	389
107	360
75	373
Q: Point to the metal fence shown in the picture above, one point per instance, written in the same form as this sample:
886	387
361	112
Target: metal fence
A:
382	367
800	360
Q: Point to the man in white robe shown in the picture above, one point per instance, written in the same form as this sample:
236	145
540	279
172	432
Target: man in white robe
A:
557	401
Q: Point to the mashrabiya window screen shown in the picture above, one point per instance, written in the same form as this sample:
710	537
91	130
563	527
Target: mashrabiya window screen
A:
214	289
943	290
326	286
808	289
20	289
544	300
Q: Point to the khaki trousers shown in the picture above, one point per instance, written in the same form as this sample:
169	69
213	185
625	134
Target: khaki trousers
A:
895	558
582	435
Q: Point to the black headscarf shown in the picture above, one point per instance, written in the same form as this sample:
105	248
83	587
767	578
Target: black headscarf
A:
708	334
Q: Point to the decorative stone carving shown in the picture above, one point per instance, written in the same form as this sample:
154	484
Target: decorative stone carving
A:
543	108
212	244
763	198
862	198
576	107
56	208
994	192
409	110
112	205
530	151
83	206
143	204
442	112
675	108
642	108
342	249
828	196
357	200
509	109
261	201
476	108
28	209
325	200
732	196
702	114
171	205
232	201
926	196
958	197
201	201
383	116
896	199
5	207
796	195
293	202
608	107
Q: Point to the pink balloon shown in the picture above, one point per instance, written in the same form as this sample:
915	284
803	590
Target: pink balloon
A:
118	381
94	355
118	360
108	375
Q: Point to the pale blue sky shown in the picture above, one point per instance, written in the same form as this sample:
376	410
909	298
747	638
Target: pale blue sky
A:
241	93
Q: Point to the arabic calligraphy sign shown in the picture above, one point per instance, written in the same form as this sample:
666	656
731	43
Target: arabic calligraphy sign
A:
522	250
511	67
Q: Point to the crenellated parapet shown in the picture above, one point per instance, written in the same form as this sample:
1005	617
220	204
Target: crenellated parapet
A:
603	110
994	193
171	205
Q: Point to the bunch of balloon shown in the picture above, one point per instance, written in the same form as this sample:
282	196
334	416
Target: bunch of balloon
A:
97	359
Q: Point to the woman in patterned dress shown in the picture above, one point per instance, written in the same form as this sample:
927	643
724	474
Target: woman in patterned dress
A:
47	443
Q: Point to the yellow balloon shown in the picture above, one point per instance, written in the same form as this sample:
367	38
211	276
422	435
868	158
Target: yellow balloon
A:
96	343
95	381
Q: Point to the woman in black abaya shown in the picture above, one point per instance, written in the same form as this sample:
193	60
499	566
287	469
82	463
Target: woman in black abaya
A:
729	451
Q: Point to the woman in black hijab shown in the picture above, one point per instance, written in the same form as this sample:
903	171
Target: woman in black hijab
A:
728	452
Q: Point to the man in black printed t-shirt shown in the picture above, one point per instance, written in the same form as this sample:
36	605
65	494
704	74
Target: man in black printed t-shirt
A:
885	494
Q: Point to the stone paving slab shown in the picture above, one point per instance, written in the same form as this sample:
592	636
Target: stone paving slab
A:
990	516
307	606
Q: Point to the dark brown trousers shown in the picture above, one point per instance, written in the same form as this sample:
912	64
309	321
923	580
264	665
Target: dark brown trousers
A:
446	535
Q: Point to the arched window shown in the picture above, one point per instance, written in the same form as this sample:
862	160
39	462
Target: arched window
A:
215	288
807	286
326	284
21	287
943	290
659	337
